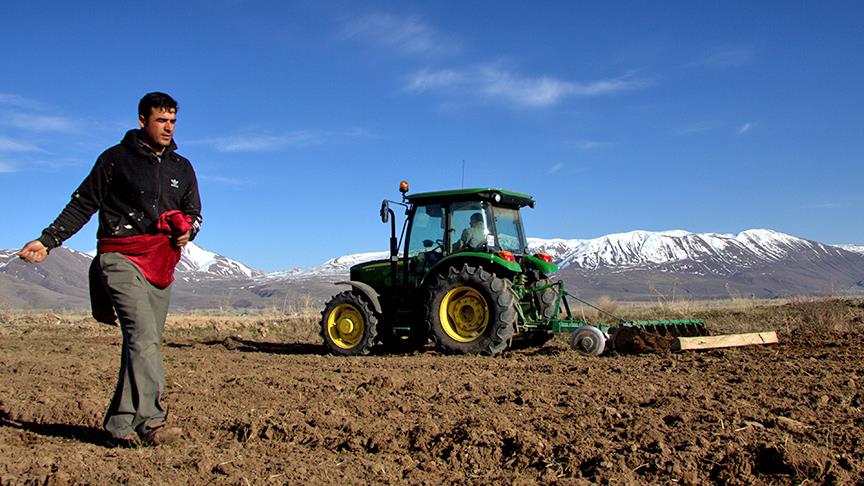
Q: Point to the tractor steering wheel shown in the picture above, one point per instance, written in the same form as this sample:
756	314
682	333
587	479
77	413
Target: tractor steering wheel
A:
438	248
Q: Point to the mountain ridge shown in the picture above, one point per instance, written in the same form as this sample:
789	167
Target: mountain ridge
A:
635	265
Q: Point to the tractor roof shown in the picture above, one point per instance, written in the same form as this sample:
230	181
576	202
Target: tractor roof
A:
506	197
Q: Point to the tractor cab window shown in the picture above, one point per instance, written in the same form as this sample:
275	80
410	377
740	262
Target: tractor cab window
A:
426	240
509	225
469	226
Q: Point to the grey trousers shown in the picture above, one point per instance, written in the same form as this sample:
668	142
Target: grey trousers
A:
141	308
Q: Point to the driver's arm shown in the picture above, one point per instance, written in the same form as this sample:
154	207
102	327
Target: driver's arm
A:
463	240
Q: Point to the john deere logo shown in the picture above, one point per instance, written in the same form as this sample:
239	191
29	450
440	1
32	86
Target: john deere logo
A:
175	183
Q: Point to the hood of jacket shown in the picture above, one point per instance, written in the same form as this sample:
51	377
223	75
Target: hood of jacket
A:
134	140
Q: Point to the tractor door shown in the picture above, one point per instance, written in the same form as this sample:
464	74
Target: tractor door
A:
470	227
426	241
508	226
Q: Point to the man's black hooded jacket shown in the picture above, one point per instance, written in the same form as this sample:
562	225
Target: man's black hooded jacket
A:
130	186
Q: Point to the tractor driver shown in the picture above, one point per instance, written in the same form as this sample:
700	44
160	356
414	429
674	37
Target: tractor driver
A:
474	236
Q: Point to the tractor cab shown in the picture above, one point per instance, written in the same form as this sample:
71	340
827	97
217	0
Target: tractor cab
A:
462	223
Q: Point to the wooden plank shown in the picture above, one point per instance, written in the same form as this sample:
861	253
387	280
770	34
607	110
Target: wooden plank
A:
726	341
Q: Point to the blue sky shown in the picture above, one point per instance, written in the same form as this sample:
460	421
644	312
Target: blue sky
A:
299	117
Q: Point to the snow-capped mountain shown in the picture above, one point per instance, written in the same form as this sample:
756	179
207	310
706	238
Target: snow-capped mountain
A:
638	265
203	279
641	265
6	256
721	252
196	263
334	267
852	248
718	253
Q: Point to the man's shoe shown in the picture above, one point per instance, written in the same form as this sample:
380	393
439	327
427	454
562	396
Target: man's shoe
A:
158	434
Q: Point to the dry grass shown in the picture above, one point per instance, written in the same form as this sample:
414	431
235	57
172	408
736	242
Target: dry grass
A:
735	315
264	325
299	323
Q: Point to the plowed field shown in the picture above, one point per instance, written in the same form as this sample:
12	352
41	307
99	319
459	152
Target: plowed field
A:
261	403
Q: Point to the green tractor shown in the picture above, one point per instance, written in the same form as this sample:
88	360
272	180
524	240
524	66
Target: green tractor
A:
466	281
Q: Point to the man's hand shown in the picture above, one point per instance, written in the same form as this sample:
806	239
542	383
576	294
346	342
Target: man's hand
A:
181	240
33	252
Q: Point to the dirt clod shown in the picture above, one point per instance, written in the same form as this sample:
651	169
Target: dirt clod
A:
632	340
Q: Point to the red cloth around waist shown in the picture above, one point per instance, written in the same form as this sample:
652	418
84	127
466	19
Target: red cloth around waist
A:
154	255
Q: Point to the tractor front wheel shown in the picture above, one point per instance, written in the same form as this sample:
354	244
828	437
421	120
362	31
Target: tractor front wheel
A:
348	325
471	311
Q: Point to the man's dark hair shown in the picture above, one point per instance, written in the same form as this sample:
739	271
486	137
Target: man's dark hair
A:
157	100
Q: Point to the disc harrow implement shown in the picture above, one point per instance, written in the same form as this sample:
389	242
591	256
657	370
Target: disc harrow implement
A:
596	338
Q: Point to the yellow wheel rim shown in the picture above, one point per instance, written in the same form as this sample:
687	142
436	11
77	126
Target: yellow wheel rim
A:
345	326
464	314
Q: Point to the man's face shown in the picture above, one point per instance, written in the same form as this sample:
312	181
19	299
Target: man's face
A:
159	126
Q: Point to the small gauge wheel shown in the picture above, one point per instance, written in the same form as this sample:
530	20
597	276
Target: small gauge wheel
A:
588	340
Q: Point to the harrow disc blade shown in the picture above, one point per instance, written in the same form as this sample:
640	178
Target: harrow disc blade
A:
672	328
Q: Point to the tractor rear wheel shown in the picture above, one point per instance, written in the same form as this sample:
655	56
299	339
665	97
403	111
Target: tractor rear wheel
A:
348	325
471	311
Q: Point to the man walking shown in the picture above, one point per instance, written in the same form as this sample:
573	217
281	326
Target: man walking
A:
149	208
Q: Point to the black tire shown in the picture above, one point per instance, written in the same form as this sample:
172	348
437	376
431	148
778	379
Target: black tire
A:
348	325
545	299
471	311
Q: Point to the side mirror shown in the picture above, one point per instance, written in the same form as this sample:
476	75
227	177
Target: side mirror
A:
428	243
385	211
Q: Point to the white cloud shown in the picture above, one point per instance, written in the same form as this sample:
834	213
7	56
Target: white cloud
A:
9	145
24	113
294	139
257	143
19	101
406	35
6	168
745	128
40	123
60	163
556	167
531	92
426	80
